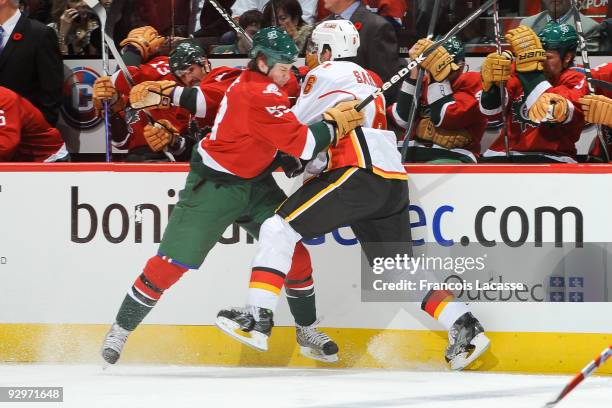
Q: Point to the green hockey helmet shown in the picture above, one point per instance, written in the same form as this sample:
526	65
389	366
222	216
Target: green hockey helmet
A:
276	45
185	55
559	37
454	46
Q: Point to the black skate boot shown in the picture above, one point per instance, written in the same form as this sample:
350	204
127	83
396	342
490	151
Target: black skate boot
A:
466	342
113	343
250	325
316	344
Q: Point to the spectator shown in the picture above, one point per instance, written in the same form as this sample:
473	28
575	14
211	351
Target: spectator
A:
30	62
25	135
560	11
378	51
211	28
250	22
289	16
77	27
605	34
309	8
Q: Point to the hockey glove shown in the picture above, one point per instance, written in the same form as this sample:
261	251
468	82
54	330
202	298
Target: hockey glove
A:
292	166
152	94
103	90
449	139
345	117
549	107
439	63
160	134
597	109
146	40
495	69
528	49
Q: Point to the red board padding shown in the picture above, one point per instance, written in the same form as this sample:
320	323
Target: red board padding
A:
563	168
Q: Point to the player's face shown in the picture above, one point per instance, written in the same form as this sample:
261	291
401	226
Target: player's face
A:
280	73
193	75
325	56
553	64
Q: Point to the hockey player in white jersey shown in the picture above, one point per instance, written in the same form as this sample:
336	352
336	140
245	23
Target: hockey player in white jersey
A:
360	182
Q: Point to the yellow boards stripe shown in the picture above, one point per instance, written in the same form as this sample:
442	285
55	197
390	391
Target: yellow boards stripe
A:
559	353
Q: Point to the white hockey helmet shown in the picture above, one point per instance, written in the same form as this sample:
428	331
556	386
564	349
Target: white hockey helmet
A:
340	35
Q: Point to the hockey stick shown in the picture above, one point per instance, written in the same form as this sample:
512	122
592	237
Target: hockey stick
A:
128	77
419	85
100	11
502	84
584	373
230	20
587	71
419	59
274	16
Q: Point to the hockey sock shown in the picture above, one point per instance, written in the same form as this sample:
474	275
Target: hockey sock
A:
299	287
301	299
265	287
131	313
277	256
158	275
442	306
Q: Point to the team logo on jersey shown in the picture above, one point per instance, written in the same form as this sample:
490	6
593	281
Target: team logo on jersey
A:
520	114
309	84
272	89
132	116
77	102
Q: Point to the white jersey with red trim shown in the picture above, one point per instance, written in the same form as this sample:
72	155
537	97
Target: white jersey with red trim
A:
372	146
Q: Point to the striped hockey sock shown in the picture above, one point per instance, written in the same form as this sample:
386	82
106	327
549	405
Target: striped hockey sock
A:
265	287
301	298
441	305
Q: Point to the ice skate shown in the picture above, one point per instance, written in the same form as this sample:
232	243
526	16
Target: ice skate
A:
113	343
466	342
251	325
316	344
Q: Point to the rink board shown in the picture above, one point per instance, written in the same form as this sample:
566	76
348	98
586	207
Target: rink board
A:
64	275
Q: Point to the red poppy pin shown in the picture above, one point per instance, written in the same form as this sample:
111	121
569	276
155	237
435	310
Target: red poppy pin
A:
17	36
357	25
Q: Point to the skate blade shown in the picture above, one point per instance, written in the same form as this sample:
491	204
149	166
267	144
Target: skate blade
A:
481	343
315	355
256	340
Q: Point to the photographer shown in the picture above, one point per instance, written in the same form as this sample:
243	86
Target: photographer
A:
77	27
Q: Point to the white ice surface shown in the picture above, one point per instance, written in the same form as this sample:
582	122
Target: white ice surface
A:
159	386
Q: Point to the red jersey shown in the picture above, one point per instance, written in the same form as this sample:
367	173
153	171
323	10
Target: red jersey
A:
25	135
253	123
461	113
157	69
211	91
527	136
603	72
